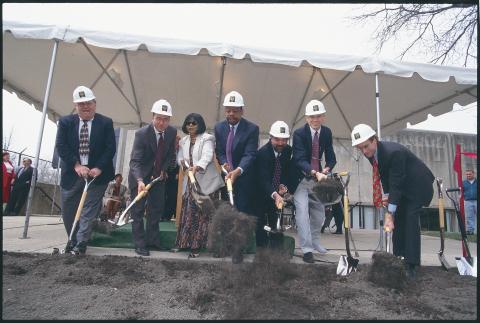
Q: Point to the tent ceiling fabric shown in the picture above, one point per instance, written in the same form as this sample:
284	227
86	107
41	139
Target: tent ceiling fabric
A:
128	73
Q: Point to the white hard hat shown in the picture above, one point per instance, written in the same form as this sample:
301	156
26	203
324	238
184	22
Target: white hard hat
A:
314	107
360	133
162	107
233	99
82	94
279	129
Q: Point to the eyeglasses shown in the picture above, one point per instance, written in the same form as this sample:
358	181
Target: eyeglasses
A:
192	123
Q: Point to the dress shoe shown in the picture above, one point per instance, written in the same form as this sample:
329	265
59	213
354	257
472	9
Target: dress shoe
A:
80	248
308	258
142	251
69	246
321	250
157	247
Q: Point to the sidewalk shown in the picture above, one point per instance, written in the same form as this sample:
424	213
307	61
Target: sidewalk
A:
47	232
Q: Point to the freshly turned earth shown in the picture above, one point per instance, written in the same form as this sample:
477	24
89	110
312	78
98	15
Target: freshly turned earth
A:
42	286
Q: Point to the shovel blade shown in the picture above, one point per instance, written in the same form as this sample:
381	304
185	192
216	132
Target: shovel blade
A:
443	261
465	268
346	265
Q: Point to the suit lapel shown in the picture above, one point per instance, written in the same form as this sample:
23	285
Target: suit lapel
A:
308	137
94	132
152	138
238	133
76	135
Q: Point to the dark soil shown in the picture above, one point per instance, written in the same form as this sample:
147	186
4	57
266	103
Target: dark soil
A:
41	286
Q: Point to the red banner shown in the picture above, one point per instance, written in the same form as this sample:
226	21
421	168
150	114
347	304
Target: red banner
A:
468	154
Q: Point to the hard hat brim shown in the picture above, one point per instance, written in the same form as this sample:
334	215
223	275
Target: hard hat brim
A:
83	99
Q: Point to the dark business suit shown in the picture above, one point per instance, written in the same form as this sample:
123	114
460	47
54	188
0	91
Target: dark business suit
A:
309	215
20	190
101	151
142	162
408	183
264	172
245	145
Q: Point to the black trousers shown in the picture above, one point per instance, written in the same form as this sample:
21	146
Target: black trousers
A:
171	188
406	234
153	205
263	238
17	199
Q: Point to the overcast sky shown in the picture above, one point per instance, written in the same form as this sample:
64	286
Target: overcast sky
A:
310	27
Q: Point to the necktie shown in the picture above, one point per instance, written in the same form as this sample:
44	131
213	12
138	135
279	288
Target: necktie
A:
314	161
159	155
276	173
377	190
83	149
229	147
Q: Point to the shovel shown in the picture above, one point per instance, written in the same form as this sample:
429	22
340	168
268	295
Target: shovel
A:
229	186
346	264
123	218
466	265
441	214
77	215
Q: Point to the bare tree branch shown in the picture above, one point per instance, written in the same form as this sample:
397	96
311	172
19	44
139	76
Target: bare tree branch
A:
448	32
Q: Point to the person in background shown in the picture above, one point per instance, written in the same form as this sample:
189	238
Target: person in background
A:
407	186
8	177
470	201
310	143
86	145
195	153
116	197
153	149
21	187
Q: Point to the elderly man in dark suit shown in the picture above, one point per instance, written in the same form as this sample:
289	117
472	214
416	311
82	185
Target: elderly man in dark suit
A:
310	143
152	153
273	170
407	186
20	189
236	147
86	145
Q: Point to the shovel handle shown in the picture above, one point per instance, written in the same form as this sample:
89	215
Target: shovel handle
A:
191	176
441	213
80	205
346	214
229	185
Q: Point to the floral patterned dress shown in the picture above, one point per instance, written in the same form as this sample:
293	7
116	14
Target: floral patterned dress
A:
193	228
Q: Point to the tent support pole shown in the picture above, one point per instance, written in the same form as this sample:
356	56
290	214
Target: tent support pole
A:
39	141
377	99
133	87
295	120
108	75
330	91
220	95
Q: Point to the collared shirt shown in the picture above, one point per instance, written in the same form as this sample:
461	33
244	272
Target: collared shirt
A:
312	132
158	133
235	126
84	158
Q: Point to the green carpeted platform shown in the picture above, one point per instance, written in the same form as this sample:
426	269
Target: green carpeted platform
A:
122	238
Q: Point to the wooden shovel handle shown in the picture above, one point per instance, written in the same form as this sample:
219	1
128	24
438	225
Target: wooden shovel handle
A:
80	205
441	213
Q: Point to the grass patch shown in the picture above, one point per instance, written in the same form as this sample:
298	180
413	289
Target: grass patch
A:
451	235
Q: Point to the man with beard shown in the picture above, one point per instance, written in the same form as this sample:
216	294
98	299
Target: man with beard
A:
236	147
407	186
273	179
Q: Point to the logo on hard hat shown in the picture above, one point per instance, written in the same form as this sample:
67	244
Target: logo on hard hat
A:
81	94
282	130
164	108
316	108
356	135
232	98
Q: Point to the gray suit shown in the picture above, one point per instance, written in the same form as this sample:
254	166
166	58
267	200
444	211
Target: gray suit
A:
142	161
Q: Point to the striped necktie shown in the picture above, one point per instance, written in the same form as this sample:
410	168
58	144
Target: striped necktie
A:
377	189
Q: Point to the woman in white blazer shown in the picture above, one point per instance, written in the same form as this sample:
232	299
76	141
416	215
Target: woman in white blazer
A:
197	149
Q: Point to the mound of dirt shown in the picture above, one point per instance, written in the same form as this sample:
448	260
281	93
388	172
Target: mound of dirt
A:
65	287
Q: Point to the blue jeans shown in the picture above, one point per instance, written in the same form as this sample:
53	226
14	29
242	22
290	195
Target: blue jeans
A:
471	215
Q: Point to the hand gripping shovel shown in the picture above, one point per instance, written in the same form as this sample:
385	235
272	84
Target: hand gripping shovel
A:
229	186
466	265
346	264
441	215
77	215
123	218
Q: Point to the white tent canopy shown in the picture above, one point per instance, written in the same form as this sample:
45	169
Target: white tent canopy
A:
129	72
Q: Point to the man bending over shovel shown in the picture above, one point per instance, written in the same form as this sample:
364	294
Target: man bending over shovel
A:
408	184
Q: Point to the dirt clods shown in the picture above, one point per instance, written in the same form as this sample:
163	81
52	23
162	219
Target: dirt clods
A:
387	271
